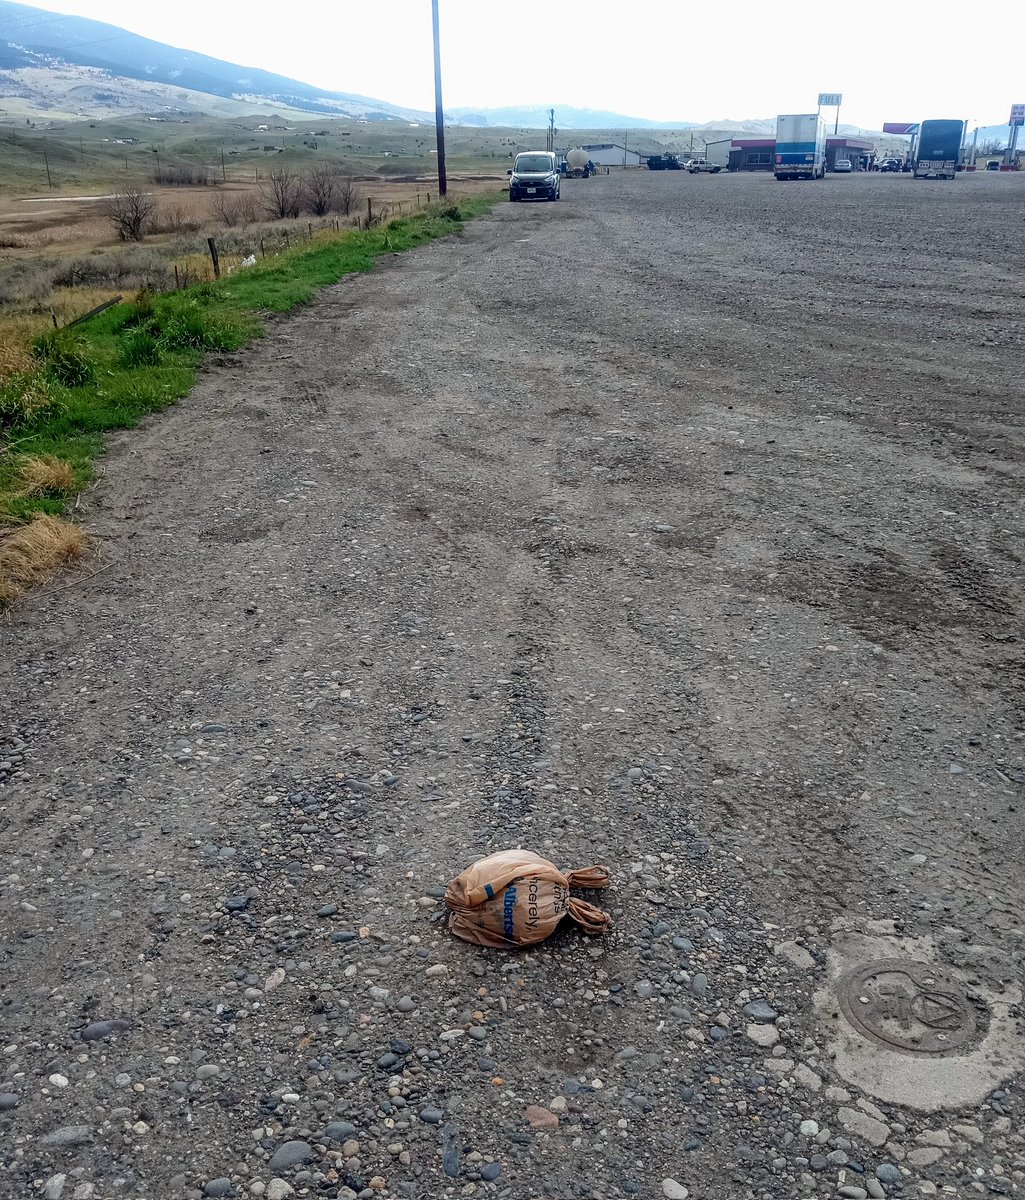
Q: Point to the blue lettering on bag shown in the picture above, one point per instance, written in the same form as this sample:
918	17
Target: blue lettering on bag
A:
508	904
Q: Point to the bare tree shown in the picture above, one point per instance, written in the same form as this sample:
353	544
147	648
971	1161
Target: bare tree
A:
235	208
130	210
347	195
319	186
282	193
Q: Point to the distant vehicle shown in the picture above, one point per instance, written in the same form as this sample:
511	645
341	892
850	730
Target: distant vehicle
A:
535	176
992	166
800	146
939	149
578	165
697	165
664	162
891	164
843	165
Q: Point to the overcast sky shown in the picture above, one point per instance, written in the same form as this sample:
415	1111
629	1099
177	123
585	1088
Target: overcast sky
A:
893	60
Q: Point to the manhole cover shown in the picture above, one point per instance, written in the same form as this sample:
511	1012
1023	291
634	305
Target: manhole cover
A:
909	1006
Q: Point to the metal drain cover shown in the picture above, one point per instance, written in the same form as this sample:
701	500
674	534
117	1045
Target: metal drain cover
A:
910	1006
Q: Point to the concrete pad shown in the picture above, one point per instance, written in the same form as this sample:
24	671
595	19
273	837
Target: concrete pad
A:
925	1083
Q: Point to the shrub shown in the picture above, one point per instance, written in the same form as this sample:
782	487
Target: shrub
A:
66	358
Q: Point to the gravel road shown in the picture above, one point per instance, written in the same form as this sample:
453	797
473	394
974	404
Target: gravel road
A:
676	526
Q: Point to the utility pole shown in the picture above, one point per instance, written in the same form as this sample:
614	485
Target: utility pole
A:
46	162
439	112
551	130
626	140
224	176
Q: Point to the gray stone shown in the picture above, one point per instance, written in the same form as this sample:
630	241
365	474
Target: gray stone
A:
208	1071
339	1131
291	1154
103	1029
863	1126
760	1010
850	1192
795	954
875	1189
278	1189
763	1035
684	945
925	1156
219	1187
888	1173
491	1171
54	1189
432	1116
68	1135
699	984
673	1190
645	990
934	1137
9	1100
450	1158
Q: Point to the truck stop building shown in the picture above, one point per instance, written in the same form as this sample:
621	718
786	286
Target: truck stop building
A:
757	154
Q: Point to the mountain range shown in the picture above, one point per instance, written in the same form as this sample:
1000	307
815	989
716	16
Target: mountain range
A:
65	66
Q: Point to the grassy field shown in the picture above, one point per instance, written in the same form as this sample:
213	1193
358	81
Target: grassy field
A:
70	386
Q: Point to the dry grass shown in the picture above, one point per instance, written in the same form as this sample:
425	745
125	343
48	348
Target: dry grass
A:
31	553
44	475
15	358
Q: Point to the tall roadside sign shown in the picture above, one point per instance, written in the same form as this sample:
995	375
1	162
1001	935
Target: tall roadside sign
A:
1016	121
831	100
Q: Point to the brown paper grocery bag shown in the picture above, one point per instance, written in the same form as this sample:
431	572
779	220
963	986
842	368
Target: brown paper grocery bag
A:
516	898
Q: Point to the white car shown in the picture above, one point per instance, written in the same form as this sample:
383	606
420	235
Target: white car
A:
843	165
697	165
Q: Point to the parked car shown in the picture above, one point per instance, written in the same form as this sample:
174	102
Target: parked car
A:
535	176
992	166
843	166
695	165
891	164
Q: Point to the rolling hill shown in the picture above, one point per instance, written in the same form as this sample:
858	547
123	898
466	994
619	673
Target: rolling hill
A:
34	40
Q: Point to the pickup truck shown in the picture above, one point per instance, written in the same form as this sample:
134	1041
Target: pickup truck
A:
694	165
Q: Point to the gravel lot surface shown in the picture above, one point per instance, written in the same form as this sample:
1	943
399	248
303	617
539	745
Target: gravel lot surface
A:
676	526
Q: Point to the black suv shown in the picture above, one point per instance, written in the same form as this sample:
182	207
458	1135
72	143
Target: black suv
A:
535	176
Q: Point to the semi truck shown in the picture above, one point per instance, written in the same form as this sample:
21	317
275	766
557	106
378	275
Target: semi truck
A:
938	154
800	146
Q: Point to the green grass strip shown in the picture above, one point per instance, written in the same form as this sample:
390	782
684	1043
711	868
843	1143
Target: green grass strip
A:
137	358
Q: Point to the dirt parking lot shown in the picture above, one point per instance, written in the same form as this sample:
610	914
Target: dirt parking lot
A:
676	526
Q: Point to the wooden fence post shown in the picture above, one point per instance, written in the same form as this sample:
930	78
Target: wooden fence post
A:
177	280
214	257
263	252
370	214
